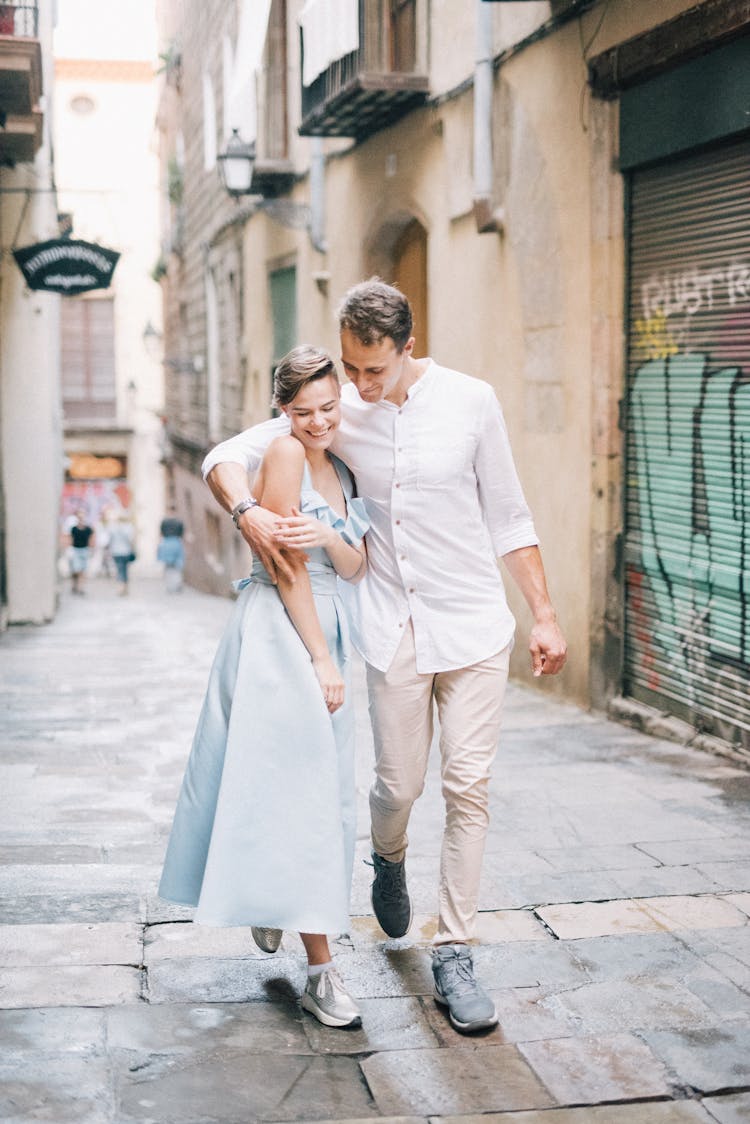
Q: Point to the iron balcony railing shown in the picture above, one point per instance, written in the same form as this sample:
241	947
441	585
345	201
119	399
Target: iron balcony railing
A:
19	17
390	64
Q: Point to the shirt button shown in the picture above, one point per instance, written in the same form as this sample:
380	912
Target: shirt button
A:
411	589
400	624
403	557
396	485
398	522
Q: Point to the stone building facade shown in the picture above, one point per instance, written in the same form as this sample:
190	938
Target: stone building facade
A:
495	160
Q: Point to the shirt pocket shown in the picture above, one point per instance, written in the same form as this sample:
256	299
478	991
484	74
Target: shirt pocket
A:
441	464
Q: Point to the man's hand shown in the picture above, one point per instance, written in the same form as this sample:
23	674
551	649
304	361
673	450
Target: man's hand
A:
258	528
548	648
546	643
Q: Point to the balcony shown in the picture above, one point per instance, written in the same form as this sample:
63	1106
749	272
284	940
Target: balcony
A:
376	84
20	82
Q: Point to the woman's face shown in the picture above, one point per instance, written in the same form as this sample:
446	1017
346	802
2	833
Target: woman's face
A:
315	414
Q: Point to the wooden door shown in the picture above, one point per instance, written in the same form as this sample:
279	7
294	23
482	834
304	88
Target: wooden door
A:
410	275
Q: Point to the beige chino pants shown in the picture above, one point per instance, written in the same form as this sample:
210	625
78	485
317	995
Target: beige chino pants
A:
469	704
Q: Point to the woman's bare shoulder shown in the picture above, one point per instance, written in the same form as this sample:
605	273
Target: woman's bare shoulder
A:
285	450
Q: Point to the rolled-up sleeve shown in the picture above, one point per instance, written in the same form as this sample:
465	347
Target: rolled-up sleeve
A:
248	447
503	503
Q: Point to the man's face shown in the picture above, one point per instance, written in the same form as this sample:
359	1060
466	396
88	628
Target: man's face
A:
375	369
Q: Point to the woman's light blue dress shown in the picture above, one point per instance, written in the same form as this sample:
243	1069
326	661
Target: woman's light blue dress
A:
264	829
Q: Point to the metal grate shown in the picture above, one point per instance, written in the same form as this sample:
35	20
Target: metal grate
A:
688	491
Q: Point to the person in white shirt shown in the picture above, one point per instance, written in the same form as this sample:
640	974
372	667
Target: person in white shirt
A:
430	453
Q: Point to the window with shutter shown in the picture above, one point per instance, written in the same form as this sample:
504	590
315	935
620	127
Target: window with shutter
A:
87	349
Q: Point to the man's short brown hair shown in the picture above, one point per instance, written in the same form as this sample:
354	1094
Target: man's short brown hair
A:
373	310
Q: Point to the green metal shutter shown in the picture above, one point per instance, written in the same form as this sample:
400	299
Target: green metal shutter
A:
687	540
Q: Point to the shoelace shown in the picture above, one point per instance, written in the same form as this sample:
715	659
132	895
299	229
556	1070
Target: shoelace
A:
460	975
390	883
334	981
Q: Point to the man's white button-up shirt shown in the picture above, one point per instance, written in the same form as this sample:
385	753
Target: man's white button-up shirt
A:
444	500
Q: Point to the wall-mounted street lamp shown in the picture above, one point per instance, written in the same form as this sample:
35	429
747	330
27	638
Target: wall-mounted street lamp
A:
236	165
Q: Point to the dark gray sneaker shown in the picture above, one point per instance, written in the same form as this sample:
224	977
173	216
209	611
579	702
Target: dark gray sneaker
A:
390	898
469	1006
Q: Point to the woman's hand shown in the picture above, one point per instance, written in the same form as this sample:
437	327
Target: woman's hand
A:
303	532
331	683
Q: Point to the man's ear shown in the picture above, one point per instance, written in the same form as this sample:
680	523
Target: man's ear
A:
408	346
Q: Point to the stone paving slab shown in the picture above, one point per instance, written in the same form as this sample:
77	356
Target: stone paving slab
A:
712	1059
436	1082
179	941
613	1067
28	909
493	927
733	1108
194	1029
66	1090
230	1086
653	1112
741	901
397	1023
66	986
106	943
53	1030
641	915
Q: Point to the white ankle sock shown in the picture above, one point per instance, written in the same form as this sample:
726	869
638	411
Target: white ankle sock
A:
315	970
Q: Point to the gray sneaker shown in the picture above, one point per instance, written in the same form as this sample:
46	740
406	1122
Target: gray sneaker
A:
469	1006
266	939
390	898
326	997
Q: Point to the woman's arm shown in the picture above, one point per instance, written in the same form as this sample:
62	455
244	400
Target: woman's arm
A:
303	532
278	488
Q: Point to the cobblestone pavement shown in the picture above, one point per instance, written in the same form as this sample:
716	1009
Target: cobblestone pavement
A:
614	924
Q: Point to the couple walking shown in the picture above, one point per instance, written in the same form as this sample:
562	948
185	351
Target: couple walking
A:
417	456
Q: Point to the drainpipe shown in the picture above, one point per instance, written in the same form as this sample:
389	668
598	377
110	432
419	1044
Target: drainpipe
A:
488	219
318	195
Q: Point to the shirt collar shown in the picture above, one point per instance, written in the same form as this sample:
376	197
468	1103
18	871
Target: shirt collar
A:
427	377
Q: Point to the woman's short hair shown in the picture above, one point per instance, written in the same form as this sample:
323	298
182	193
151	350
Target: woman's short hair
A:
373	310
300	366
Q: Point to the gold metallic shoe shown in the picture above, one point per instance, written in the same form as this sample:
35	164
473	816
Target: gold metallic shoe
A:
266	939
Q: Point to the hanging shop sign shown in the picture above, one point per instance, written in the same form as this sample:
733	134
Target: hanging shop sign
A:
67	266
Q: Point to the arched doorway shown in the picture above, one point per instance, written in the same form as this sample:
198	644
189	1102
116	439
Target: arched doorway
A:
410	275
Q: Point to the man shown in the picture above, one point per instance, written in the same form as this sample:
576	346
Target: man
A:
431	457
81	540
171	550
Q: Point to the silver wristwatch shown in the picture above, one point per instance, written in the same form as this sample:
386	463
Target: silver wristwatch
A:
242	506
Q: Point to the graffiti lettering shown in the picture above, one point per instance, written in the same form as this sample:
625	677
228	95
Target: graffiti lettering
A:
689	291
654	339
692	468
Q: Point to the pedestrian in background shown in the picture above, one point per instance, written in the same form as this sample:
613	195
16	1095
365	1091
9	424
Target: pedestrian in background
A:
264	831
122	549
171	550
81	540
430	452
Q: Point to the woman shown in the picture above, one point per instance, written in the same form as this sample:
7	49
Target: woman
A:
264	828
121	548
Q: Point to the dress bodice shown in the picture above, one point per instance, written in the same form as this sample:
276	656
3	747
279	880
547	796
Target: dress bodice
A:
352	529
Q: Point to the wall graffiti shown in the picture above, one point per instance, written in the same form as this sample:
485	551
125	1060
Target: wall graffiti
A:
691	433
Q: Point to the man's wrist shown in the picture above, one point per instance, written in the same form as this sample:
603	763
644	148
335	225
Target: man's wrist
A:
239	509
